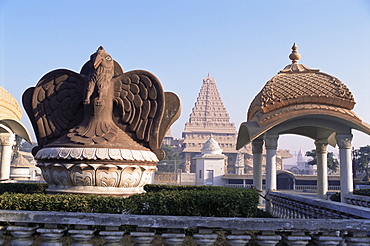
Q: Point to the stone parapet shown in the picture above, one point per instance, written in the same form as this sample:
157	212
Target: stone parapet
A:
96	229
294	206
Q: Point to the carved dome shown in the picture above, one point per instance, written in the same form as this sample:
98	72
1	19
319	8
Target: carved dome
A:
296	85
302	101
211	147
9	107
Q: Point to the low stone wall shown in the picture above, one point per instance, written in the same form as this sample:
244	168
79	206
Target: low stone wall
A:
173	178
57	228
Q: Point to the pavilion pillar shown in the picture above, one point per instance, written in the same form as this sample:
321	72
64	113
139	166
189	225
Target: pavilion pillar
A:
271	184
7	141
322	167
344	142
257	165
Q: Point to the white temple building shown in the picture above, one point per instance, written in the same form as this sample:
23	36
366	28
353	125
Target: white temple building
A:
210	164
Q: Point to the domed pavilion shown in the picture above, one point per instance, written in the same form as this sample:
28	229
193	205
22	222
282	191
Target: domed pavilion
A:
10	115
303	101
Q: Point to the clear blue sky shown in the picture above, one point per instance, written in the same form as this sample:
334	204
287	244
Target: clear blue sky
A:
242	44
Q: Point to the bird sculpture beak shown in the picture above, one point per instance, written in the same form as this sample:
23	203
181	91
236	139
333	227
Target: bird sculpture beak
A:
97	62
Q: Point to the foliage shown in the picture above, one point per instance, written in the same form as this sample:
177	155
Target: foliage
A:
159	200
25	188
168	164
361	161
16	147
332	162
26	146
211	203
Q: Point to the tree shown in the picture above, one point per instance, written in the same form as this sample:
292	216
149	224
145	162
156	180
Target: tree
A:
361	160
171	160
16	147
332	162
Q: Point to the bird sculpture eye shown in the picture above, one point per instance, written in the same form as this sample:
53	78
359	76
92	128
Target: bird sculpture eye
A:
108	58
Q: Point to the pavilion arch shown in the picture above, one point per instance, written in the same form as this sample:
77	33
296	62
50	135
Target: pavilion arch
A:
307	102
10	114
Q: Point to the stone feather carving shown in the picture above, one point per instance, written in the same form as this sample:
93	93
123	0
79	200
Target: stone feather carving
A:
101	107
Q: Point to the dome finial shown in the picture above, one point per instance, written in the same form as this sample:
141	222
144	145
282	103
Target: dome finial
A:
294	56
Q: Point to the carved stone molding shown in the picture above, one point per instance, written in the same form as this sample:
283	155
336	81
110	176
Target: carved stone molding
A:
271	141
7	139
95	154
96	177
257	146
321	146
344	141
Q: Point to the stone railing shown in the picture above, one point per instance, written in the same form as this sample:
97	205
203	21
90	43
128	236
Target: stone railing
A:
57	228
363	201
286	205
314	187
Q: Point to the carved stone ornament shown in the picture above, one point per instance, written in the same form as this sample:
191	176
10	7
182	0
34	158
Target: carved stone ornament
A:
99	131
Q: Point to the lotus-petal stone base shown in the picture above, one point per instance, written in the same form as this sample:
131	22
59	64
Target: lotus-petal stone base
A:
68	170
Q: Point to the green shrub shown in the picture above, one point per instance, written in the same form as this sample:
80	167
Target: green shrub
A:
159	200
214	203
24	188
362	192
335	197
63	203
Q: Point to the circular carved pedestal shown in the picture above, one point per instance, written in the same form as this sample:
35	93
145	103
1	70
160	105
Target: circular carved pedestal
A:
101	171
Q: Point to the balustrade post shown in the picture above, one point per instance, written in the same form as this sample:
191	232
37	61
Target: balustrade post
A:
51	235
327	238
205	237
22	234
173	237
237	238
296	238
112	235
357	238
142	237
268	238
81	235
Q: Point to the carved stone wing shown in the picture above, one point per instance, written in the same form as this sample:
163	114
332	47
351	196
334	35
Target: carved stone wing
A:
55	104
139	106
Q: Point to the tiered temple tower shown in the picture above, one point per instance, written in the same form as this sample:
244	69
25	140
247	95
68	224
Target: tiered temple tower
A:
209	118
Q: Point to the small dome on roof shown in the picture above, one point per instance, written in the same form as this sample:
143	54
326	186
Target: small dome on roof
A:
211	147
297	84
20	161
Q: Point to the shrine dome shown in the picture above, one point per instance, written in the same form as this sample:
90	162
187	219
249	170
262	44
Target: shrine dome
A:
211	147
299	93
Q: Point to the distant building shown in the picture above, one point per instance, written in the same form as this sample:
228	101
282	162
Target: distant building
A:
209	118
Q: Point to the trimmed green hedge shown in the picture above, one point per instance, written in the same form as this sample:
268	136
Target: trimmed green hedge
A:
24	188
219	203
159	200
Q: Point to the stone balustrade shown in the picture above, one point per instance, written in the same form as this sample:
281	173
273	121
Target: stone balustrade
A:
363	201
286	205
66	228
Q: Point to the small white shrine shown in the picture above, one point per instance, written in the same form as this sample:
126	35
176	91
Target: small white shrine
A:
210	164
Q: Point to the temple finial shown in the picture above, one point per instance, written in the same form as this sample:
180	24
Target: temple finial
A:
294	56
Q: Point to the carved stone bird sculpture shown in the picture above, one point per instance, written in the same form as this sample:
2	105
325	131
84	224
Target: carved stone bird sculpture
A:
101	107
